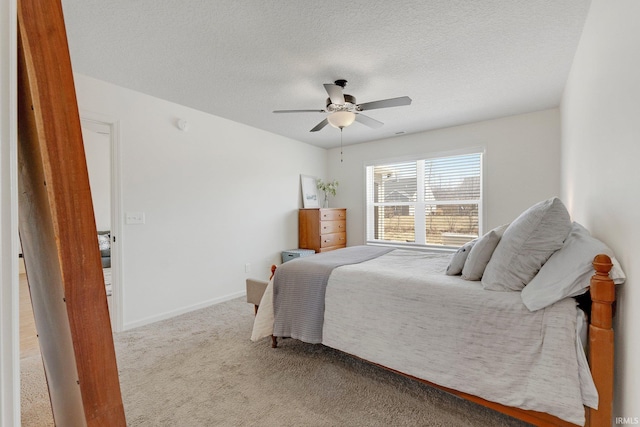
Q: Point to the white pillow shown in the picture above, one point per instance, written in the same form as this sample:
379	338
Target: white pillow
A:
458	259
568	272
480	254
526	245
104	242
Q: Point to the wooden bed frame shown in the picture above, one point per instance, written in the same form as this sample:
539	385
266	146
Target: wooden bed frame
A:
603	295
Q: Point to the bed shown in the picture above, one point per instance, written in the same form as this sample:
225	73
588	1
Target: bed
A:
519	352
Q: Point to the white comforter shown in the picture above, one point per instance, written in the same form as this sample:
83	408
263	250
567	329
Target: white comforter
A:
401	311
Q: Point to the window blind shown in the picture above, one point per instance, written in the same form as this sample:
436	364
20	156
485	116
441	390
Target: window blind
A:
425	202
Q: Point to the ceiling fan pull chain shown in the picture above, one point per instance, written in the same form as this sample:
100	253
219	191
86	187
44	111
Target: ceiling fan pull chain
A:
341	144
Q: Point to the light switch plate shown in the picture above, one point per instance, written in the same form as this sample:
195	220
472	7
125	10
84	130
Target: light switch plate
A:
134	218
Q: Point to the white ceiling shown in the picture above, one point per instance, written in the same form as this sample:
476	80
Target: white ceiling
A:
459	60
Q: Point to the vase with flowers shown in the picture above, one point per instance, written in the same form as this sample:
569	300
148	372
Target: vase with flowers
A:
327	188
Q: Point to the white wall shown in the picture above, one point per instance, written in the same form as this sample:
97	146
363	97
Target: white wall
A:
522	164
97	150
215	198
600	173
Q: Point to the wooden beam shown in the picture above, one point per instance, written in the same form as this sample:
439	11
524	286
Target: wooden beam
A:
57	228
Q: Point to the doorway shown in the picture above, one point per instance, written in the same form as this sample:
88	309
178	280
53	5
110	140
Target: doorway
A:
101	141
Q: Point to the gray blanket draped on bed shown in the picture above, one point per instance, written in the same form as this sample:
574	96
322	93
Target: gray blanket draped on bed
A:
299	310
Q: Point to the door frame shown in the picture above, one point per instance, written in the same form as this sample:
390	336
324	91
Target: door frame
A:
9	242
117	288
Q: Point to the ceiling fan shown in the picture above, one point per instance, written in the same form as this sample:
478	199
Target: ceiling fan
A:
343	111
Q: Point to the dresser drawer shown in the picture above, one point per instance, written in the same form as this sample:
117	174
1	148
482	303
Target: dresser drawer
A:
322	229
333	239
333	214
332	227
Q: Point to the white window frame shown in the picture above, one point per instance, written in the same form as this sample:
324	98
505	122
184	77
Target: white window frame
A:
420	204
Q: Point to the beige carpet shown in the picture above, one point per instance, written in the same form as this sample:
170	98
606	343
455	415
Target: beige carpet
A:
36	409
201	369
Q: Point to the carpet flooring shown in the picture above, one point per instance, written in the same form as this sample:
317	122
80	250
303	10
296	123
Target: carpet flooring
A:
201	369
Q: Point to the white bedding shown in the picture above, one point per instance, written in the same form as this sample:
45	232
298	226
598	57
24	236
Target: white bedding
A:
401	311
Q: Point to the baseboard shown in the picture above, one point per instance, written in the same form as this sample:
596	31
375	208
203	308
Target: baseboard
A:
183	310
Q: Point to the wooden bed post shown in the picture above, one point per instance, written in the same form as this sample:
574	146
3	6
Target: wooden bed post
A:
603	294
274	339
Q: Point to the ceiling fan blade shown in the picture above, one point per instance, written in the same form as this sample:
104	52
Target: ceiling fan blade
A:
335	93
385	103
299	111
320	125
368	121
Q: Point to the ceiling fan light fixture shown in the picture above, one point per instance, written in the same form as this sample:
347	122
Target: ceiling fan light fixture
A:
341	119
341	108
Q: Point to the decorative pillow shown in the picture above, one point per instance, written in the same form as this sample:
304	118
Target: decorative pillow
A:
480	254
526	245
104	243
568	271
457	261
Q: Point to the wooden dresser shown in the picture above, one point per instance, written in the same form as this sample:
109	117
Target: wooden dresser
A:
322	229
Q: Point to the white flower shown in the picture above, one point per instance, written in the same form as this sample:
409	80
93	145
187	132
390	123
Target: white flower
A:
327	187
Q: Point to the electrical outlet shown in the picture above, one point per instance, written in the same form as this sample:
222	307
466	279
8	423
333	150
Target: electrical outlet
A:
247	268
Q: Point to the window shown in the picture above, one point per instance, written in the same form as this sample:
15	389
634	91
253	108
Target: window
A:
426	202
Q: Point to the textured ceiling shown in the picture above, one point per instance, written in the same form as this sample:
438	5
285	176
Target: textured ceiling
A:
460	61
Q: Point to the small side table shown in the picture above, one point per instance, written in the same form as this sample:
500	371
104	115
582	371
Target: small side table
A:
296	253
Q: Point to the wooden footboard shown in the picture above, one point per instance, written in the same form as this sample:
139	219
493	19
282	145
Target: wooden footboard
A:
603	295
